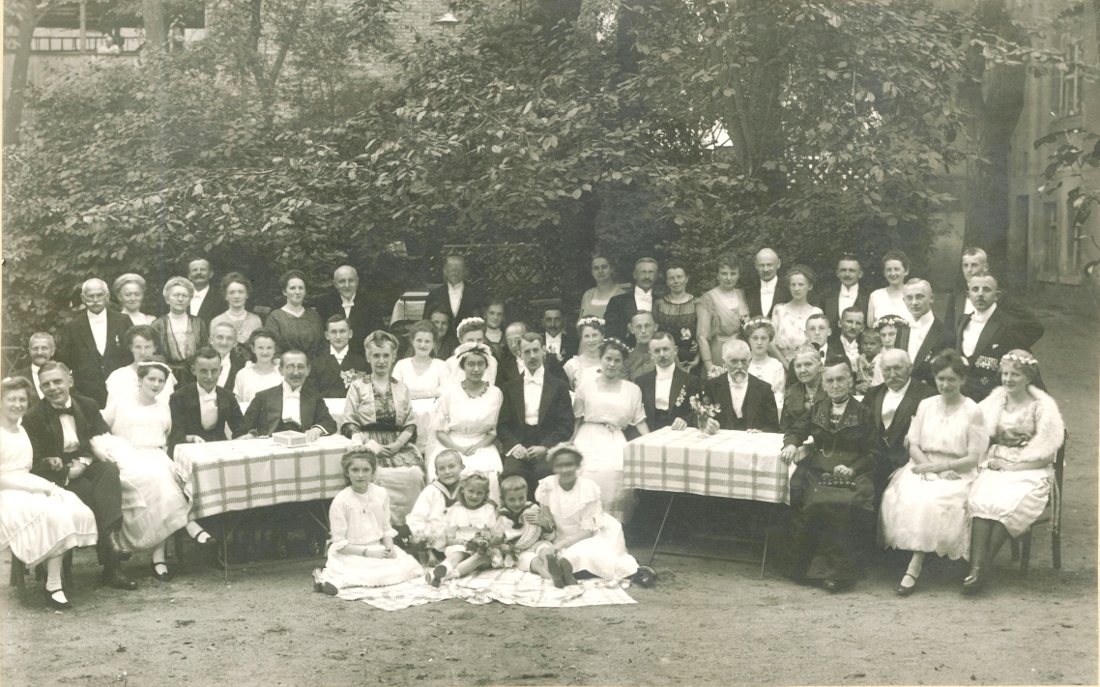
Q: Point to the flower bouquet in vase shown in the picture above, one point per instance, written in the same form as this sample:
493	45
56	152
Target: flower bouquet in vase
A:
704	409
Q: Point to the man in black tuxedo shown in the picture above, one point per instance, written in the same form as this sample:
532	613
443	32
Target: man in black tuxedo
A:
289	406
642	328
984	336
41	347
667	390
223	339
927	336
561	342
847	340
61	430
205	304
763	294
745	401
91	343
820	336
456	297
536	415
622	308
325	370
202	410
893	404
363	313
849	294
976	262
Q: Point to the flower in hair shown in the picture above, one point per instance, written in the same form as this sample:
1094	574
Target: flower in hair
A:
590	320
471	347
757	321
617	344
893	320
469	321
1023	358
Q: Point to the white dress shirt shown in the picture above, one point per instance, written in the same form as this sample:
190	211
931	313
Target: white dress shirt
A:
34	378
737	392
71	440
347	304
223	376
767	294
846	298
664	387
532	395
454	292
851	351
643	299
292	404
974	329
553	343
968	306
918	333
208	407
339	355
99	329
198	298
890	402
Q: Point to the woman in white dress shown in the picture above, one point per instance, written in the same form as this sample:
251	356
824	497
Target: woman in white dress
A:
1015	479
155	489
594	301
122	384
759	333
924	506
603	408
130	292
720	311
471	330
39	521
585	537
425	377
789	319
261	374
466	417
888	300
585	366
236	287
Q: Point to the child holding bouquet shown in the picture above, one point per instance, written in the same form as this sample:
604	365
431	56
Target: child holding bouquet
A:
472	516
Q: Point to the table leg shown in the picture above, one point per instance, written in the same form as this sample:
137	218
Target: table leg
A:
767	534
657	541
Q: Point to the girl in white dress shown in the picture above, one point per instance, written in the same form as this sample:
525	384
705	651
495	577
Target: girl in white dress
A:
586	538
425	377
155	489
888	300
603	408
585	366
474	512
924	506
466	417
789	319
1015	479
122	384
262	374
759	333
39	521
361	551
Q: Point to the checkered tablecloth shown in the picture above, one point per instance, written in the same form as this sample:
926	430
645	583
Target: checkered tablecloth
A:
730	464
237	475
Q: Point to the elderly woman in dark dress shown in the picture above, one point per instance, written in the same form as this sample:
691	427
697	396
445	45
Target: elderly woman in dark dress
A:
832	493
801	396
181	334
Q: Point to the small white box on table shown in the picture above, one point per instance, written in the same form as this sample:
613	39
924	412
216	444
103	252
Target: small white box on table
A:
289	439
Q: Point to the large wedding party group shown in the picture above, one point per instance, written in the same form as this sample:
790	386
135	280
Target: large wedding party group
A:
477	442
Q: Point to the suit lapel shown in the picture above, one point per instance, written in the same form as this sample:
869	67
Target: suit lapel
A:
935	333
724	399
678	376
876	406
84	328
992	326
544	397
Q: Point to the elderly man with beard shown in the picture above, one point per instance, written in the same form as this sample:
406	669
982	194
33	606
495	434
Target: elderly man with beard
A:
745	401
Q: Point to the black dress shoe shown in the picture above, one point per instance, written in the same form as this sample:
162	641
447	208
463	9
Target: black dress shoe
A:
973	582
210	540
645	577
161	576
115	547
56	603
113	577
902	590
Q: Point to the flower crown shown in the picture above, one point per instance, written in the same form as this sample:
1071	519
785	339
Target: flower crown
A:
590	320
754	322
612	342
1022	358
894	320
471	347
468	473
468	322
163	367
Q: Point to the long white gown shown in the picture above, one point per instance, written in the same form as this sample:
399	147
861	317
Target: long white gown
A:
930	515
33	525
467	421
424	390
604	553
600	440
154	504
363	520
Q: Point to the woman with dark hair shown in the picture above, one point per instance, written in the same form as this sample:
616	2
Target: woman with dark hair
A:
122	384
676	313
924	507
721	310
789	319
179	333
1015	478
263	373
296	326
494	327
603	408
39	521
237	288
594	301
889	300
586	364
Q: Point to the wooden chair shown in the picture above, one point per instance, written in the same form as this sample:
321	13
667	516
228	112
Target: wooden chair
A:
19	573
1021	547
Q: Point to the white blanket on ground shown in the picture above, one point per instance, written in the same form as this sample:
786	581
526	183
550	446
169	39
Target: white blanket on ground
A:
508	586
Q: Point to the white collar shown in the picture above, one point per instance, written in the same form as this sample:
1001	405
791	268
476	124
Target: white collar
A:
770	284
289	393
535	377
899	392
734	384
666	372
846	343
852	290
227	354
557	337
982	317
203	394
339	355
35	369
639	292
101	317
201	293
925	320
455	288
347	301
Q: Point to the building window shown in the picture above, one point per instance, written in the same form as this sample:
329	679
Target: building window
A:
1069	102
1051	244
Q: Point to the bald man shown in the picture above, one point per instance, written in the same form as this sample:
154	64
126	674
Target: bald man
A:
363	314
768	289
927	336
91	343
975	262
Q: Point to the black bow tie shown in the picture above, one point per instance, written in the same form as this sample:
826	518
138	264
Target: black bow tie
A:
64	411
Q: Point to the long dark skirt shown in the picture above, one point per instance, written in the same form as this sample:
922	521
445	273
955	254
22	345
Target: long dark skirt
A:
830	528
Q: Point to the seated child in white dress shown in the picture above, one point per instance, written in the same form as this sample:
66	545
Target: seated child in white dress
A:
361	552
425	521
522	528
473	513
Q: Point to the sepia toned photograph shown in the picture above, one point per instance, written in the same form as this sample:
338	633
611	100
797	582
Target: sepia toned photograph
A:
550	342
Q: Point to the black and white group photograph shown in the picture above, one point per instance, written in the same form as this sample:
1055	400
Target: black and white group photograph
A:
550	342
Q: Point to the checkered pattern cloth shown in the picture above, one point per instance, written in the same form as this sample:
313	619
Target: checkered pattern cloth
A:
731	464
238	475
508	586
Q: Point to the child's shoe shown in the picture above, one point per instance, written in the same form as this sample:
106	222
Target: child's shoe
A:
566	572
437	574
554	566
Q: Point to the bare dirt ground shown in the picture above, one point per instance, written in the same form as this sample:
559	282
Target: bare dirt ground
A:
706	622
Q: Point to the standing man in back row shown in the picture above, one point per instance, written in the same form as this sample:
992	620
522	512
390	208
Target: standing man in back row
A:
621	309
764	293
976	262
456	297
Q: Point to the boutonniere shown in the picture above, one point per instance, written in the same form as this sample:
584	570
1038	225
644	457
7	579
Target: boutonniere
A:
557	355
716	371
685	334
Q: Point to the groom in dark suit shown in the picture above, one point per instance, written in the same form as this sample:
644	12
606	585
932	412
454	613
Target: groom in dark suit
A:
745	401
667	390
289	406
536	415
91	343
61	429
326	370
201	411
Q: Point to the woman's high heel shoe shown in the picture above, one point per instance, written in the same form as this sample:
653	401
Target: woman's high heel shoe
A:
973	582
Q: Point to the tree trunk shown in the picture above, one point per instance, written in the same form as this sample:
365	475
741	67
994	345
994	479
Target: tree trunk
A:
156	27
13	115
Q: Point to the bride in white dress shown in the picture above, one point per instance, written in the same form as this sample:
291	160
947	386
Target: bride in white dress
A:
155	489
